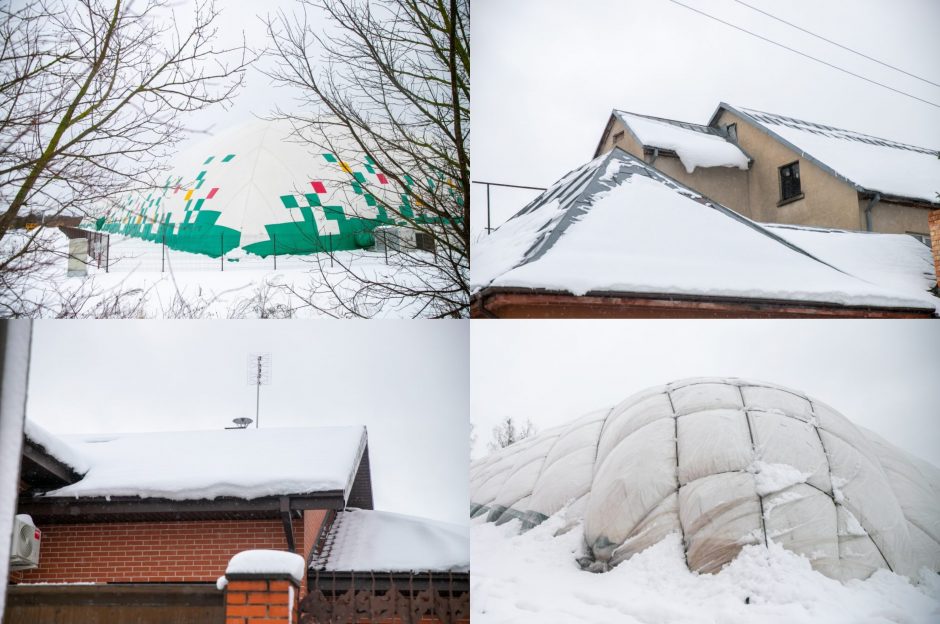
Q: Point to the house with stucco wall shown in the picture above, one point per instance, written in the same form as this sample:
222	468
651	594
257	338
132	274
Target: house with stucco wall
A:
777	169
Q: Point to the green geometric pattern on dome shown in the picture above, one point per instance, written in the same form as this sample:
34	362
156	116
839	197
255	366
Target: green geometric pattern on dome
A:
310	224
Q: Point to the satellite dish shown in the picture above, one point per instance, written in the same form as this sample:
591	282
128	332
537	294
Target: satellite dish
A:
242	422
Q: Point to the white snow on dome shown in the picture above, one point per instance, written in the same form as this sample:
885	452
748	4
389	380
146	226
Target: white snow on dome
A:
726	463
364	540
871	162
256	186
187	465
694	148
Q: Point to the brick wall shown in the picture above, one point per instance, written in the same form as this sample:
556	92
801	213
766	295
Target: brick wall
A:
934	220
260	601
148	552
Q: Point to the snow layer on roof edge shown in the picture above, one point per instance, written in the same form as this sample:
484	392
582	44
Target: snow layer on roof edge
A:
56	446
691	457
196	465
694	148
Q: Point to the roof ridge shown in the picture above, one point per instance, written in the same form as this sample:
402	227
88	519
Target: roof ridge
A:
883	140
704	128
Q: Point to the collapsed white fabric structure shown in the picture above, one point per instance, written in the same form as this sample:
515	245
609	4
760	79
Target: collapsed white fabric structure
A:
725	463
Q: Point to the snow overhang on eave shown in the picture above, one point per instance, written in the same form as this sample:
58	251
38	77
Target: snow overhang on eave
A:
41	470
913	202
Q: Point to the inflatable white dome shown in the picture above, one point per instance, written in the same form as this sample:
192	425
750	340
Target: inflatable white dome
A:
724	463
256	187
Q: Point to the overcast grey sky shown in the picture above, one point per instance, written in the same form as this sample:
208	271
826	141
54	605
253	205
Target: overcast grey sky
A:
407	381
883	375
546	74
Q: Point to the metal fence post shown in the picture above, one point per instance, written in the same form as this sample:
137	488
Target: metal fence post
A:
331	250
163	253
107	262
274	244
222	252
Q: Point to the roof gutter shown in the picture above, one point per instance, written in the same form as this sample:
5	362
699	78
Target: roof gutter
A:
69	510
871	204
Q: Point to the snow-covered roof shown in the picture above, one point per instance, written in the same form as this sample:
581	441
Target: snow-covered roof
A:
896	261
618	225
193	465
694	144
725	463
365	540
868	162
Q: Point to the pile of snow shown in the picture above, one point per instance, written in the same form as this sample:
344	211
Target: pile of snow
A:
636	232
870	162
364	540
694	148
533	578
266	562
145	282
189	465
726	463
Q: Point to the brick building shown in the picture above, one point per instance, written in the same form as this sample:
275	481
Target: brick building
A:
143	525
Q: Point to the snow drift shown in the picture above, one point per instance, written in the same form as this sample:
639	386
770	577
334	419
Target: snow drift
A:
725	463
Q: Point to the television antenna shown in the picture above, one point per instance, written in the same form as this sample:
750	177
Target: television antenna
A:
259	374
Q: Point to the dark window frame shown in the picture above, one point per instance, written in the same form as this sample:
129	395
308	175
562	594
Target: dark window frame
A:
789	190
618	136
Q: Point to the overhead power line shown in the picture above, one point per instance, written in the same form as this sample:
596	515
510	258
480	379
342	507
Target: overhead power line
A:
800	28
803	54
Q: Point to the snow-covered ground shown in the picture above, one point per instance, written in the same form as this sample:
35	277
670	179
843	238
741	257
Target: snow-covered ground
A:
144	280
534	577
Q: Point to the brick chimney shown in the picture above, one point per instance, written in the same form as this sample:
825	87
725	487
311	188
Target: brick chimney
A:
934	220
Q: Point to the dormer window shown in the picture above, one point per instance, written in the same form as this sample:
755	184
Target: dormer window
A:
790	183
732	130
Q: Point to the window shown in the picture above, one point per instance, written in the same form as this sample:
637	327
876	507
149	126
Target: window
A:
618	137
790	182
732	130
924	238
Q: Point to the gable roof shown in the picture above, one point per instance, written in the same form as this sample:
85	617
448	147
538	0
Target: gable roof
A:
694	144
618	225
870	164
207	465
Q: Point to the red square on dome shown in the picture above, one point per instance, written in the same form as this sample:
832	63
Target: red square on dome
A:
382	178
212	193
318	187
